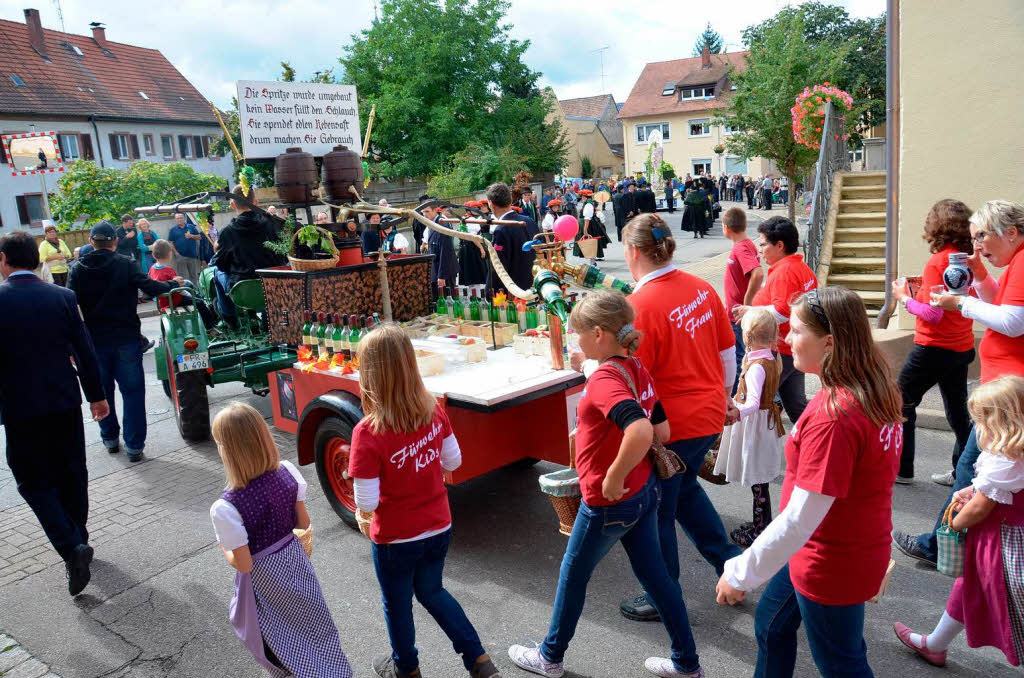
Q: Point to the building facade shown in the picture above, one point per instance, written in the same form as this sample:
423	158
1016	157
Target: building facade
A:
593	132
111	103
681	99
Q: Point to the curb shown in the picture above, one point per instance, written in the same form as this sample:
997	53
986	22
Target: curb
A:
149	313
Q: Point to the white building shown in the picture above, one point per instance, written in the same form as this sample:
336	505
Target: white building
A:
109	102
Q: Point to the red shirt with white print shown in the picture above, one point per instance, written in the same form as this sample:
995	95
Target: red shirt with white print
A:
413	498
787	279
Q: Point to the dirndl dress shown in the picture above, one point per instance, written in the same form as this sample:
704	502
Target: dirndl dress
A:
278	610
750	452
596	229
988	599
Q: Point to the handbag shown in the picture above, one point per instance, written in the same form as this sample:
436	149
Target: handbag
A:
666	462
305	538
707	469
951	546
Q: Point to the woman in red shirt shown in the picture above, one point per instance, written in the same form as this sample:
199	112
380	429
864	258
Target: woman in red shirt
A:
827	552
690	352
943	340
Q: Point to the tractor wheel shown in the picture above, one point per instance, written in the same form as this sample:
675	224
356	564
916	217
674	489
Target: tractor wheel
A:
331	447
187	391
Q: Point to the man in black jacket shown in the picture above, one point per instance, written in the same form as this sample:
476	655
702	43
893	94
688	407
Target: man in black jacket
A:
41	404
647	203
445	265
107	286
509	240
620	216
240	251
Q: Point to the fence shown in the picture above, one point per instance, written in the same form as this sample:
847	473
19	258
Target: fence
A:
833	157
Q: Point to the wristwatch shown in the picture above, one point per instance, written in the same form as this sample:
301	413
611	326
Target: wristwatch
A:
960	303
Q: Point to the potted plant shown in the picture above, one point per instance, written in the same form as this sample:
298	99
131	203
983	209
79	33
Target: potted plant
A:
719	149
808	112
667	170
308	248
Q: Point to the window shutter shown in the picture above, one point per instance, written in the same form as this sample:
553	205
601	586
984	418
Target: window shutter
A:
206	146
113	147
3	154
22	210
135	146
85	141
197	146
183	146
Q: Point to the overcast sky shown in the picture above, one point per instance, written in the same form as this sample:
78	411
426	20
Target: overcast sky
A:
215	43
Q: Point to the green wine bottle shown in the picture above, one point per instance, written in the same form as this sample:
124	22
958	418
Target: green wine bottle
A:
329	335
353	334
455	308
306	338
441	307
449	304
321	333
531	318
339	336
510	313
475	310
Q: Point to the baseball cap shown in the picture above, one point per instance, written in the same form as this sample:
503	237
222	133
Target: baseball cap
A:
103	231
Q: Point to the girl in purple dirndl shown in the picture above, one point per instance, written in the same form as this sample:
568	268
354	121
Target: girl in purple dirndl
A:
278	609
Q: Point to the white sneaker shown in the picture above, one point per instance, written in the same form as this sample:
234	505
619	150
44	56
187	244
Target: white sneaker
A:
943	478
530	659
660	666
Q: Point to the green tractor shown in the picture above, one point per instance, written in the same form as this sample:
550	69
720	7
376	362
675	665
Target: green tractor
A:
189	358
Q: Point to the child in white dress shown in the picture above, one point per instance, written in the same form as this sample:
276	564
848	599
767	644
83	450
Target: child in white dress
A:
750	452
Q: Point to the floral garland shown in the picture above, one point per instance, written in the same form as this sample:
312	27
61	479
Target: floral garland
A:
809	112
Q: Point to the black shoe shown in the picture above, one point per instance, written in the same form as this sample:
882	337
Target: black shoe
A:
639	609
908	546
484	669
384	667
78	569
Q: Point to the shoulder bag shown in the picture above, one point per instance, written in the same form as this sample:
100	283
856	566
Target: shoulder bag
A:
666	462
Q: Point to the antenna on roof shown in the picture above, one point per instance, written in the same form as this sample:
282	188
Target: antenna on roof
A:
601	50
60	15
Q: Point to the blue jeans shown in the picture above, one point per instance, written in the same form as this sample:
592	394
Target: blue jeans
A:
964	477
683	499
223	288
834	632
415	568
741	351
595	532
123	364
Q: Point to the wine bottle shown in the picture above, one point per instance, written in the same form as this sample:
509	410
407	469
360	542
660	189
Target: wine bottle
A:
353	335
475	309
449	304
521	315
441	307
321	333
511	315
329	335
363	327
455	309
532	321
339	336
305	329
314	329
486	310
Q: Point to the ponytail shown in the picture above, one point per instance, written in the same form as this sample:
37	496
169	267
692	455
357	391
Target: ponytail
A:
649	234
609	310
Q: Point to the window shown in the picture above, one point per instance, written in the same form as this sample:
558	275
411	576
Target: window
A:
30	209
147	142
167	145
729	128
185	146
697	93
643	131
74	48
143	95
18	82
701	166
197	147
85	143
119	146
700	128
208	146
668	89
68	146
735	165
857	155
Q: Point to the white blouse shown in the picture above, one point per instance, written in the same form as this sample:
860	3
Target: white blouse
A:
754	380
998	477
227	521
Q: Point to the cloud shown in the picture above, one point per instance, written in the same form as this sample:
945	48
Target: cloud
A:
215	44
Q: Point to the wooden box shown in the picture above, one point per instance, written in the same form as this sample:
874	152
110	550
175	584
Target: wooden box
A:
348	290
429	363
504	333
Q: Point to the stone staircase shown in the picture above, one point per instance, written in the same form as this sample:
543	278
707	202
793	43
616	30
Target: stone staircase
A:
856	259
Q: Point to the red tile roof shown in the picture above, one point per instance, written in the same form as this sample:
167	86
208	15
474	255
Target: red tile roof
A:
646	97
590	108
95	83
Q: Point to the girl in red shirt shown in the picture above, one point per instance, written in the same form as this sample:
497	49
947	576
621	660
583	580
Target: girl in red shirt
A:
620	492
827	552
943	340
400	451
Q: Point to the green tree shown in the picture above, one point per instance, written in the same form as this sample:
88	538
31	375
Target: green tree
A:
93	192
711	38
287	72
444	76
862	72
781	63
476	167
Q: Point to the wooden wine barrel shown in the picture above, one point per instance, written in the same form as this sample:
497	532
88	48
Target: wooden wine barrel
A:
342	168
295	176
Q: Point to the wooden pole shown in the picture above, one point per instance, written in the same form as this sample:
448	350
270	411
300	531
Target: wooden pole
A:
369	129
227	135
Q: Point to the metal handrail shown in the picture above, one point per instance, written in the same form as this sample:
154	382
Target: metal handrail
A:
833	157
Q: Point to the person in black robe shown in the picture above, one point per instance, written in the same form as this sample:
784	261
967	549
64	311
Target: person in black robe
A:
473	257
630	206
648	204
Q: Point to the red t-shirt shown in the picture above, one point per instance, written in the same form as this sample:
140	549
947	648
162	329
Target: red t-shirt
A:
684	327
999	353
954	332
413	498
164	274
742	260
847	457
598	438
787	279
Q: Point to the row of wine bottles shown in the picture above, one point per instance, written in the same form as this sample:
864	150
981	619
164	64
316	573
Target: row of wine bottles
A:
466	305
336	333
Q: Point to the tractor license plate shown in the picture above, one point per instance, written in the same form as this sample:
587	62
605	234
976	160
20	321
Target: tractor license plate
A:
193	361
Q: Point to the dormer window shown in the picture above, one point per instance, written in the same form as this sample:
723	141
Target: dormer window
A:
668	89
688	93
18	82
143	95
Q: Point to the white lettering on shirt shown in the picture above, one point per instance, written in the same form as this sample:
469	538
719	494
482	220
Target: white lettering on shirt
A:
890	436
810	283
681	312
422	458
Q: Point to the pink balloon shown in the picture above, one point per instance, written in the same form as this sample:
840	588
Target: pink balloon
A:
566	227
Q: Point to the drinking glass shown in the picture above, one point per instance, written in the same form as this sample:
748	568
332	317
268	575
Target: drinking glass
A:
937	291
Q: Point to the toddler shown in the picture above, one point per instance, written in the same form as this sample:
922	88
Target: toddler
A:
163	253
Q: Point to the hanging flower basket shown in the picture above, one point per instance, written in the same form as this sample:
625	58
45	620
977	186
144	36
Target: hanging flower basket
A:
809	112
719	149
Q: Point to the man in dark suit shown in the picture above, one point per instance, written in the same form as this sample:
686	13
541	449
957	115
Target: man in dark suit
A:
647	202
630	203
527	204
509	240
620	216
445	266
41	404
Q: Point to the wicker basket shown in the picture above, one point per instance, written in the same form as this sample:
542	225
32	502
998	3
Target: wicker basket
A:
707	470
564	489
315	264
588	247
305	538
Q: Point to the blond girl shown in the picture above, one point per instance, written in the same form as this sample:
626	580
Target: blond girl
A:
400	452
750	452
988	599
278	610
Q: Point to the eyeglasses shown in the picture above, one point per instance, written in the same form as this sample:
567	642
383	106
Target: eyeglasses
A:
980	236
819	310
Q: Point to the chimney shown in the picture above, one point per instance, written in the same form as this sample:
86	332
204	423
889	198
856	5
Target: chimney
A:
35	32
99	34
705	57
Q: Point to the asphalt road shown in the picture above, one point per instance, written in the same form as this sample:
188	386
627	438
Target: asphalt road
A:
157	605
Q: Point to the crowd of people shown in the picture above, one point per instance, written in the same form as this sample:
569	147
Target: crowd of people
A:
671	364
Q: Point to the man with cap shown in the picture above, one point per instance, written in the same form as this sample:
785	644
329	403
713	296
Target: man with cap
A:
444	268
107	287
41	403
528	206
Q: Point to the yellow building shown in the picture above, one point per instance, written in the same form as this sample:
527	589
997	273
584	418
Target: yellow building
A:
592	131
966	147
680	98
